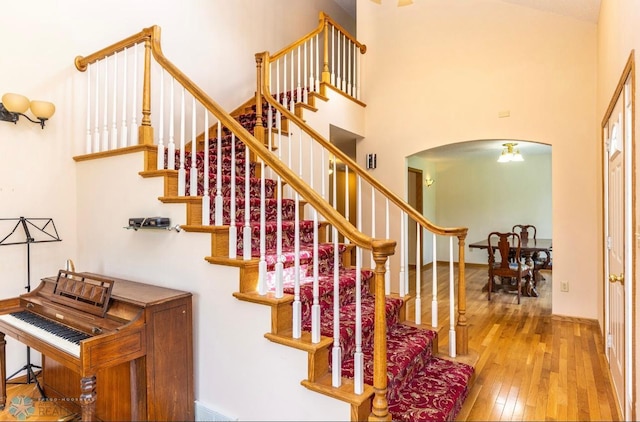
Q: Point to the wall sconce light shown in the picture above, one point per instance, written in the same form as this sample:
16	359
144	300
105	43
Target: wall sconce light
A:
510	154
15	105
428	181
371	161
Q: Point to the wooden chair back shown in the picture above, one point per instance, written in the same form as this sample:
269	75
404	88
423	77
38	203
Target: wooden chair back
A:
500	245
526	231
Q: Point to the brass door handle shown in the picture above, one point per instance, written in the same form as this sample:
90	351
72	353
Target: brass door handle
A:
614	278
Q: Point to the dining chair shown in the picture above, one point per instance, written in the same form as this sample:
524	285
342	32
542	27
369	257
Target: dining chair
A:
537	260
526	231
500	265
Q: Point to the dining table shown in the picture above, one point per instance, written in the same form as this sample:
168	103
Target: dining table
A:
528	247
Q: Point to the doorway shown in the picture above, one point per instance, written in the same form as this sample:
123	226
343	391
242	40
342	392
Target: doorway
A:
414	198
618	281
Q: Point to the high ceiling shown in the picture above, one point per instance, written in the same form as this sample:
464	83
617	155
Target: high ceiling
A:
587	10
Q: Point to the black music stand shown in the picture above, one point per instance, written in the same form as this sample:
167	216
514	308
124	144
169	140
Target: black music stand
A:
45	230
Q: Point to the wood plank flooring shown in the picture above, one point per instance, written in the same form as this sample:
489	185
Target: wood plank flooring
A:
531	365
25	403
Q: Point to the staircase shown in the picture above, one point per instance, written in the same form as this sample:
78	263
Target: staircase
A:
421	385
347	302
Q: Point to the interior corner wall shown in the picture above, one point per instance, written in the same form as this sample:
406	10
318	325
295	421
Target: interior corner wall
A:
212	41
439	72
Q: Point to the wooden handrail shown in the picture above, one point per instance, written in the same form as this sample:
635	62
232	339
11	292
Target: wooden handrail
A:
82	62
324	20
152	36
265	89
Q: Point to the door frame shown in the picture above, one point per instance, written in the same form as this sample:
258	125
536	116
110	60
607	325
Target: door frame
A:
418	174
628	130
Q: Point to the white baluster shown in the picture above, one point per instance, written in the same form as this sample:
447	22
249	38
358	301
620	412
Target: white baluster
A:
246	230
262	265
181	170
299	90
292	91
193	174
312	81
277	88
452	304
218	203
343	87
347	210
279	267
401	285
373	220
358	356
233	230
387	272
297	304
418	304
134	97
434	281
306	89
315	308
332	57
171	148
285	101
349	74
206	198
161	149
114	126
358	74
317	84
105	108
123	126
96	133
336	353
88	145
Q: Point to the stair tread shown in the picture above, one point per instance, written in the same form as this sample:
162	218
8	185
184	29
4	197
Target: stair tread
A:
409	349
447	383
412	367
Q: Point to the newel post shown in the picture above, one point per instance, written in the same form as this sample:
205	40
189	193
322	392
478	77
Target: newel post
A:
462	334
326	75
258	130
145	131
382	249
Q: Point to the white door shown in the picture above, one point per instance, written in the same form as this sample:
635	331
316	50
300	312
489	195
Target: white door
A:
617	135
616	255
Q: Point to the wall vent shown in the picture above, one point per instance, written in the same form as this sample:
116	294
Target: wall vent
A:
205	413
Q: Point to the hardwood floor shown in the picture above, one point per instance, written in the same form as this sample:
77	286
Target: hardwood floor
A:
531	365
25	403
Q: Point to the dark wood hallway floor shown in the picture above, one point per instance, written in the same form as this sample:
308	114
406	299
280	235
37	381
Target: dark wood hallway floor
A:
532	366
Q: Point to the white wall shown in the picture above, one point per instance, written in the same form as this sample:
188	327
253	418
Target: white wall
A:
439	72
489	196
213	42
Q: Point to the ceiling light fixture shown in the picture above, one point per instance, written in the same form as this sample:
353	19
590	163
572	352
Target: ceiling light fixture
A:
509	153
15	105
400	2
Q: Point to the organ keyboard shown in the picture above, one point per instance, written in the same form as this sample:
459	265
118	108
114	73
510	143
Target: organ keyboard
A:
94	332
